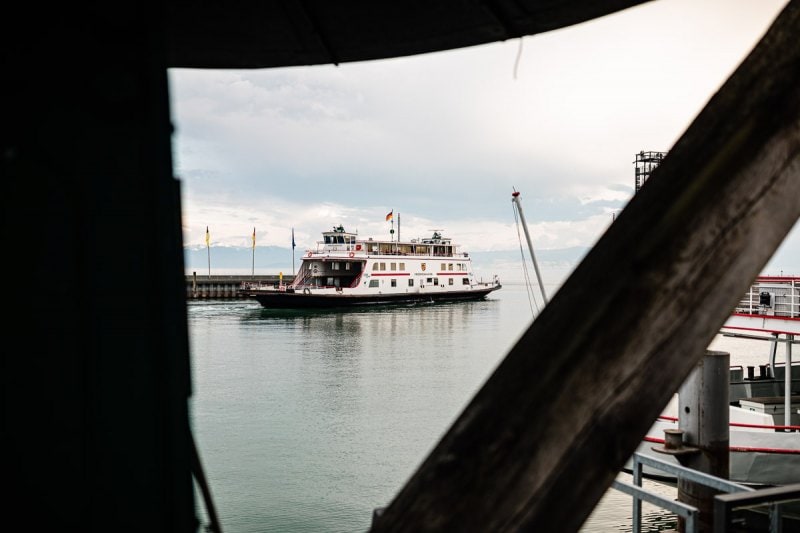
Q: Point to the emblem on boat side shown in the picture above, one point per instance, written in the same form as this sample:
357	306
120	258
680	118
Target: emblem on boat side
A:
423	266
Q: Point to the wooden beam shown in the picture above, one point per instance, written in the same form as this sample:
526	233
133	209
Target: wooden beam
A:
541	442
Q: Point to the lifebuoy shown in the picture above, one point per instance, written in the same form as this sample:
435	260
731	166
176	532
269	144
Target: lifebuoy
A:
308	254
351	254
306	291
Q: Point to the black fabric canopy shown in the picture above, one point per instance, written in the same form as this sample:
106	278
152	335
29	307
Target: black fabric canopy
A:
260	34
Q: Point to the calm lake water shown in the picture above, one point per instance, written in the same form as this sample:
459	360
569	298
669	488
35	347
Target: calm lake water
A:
307	421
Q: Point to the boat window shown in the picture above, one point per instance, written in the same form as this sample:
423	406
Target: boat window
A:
392	266
373	283
335	266
383	266
347	266
450	281
411	282
374	266
465	281
402	266
435	281
444	267
450	266
394	282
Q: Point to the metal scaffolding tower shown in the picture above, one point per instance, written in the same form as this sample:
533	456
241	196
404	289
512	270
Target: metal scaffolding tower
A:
645	163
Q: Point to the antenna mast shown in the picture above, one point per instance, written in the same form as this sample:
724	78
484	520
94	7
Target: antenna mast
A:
515	199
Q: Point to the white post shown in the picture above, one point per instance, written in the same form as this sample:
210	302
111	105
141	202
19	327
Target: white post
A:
773	352
787	383
704	419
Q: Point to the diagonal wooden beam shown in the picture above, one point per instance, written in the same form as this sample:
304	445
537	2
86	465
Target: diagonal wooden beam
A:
542	440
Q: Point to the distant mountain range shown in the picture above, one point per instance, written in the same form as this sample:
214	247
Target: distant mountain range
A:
274	259
506	263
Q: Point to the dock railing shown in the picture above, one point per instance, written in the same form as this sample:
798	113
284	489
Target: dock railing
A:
734	496
777	296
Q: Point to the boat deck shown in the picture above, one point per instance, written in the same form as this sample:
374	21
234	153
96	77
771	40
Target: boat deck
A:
771	305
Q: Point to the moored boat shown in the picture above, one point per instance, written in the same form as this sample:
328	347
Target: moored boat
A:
764	401
345	270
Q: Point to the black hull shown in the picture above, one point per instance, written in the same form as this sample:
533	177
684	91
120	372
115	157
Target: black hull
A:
299	300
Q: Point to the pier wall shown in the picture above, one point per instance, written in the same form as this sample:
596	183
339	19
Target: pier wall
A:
224	287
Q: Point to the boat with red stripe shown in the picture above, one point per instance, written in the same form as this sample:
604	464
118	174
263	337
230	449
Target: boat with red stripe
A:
764	400
345	270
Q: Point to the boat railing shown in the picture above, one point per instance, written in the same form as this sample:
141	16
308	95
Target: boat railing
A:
773	296
300	281
338	247
261	285
414	254
312	286
255	285
733	496
367	251
784	429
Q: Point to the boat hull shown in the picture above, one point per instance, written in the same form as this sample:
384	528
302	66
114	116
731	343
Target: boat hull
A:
758	455
309	300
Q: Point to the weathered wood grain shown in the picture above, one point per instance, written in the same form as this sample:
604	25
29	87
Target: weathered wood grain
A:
540	443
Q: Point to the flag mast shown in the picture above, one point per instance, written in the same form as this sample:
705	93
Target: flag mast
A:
208	249
253	268
390	217
293	245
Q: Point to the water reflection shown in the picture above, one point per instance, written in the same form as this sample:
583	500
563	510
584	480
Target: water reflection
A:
614	512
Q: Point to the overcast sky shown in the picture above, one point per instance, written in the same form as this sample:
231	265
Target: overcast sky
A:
444	138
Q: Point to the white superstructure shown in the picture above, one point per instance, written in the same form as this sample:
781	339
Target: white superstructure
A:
346	270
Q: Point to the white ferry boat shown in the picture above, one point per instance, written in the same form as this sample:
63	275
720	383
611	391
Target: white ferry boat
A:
764	412
345	270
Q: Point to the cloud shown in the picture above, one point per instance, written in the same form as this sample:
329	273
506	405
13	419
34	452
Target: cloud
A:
444	138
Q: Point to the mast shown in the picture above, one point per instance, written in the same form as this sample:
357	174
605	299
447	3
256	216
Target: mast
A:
515	199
